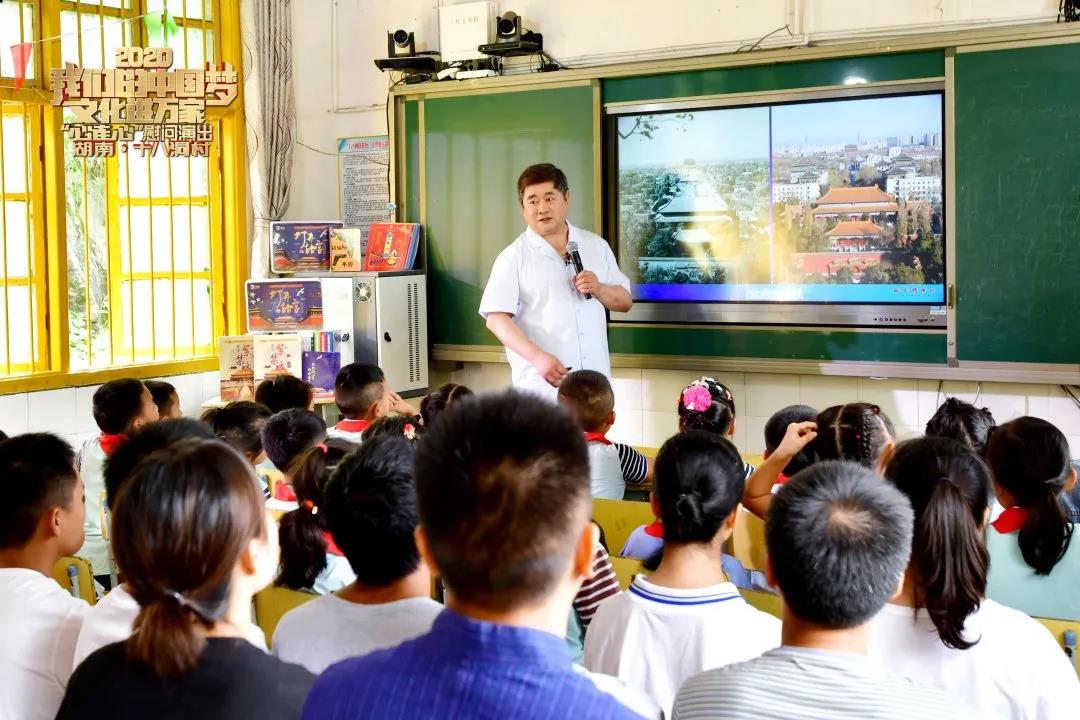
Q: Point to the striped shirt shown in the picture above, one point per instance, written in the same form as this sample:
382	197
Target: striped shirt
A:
791	683
463	668
603	584
635	466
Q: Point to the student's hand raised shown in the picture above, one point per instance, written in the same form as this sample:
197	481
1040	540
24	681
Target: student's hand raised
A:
797	437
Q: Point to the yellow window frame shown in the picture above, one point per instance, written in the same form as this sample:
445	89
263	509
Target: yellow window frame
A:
35	226
228	201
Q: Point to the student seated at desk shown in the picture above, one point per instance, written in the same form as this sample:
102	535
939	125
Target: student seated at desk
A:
587	394
839	539
775	429
707	404
111	619
165	397
240	424
41	521
362	396
687	616
503	495
310	559
1034	556
285	392
942	631
370	508
200	545
120	408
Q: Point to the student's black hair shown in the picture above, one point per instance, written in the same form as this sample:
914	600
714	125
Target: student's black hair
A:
357	387
776	427
838	539
290	432
858	432
300	531
284	392
370	508
949	489
146	440
1030	459
183	520
716	417
37	472
397	425
963	422
587	394
240	424
699	481
3	436
117	404
502	481
436	402
162	392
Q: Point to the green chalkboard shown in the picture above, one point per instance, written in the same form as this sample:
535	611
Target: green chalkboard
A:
476	146
1018	204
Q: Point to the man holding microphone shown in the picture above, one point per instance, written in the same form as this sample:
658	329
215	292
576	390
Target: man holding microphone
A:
549	314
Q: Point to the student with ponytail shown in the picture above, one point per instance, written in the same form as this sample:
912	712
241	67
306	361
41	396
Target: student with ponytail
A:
198	545
942	630
310	559
1035	560
687	616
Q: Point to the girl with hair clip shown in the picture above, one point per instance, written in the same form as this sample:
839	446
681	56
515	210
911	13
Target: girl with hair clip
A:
197	547
941	630
310	559
1035	565
688	615
859	432
964	423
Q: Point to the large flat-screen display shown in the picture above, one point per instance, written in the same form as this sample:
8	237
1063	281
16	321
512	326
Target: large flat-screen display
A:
807	207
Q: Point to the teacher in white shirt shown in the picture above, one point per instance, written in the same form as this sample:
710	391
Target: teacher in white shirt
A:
535	302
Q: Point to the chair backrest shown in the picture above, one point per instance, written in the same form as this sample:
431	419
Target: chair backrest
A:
619	518
83	575
1057	628
273	602
748	541
626	569
763	601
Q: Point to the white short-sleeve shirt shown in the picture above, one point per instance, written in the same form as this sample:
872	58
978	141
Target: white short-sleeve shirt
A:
531	282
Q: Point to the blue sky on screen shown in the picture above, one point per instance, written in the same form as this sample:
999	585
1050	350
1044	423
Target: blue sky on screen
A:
844	121
711	136
743	133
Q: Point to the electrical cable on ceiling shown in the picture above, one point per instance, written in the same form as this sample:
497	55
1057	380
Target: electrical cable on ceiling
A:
1069	391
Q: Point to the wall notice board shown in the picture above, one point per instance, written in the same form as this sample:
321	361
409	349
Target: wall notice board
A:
1017	203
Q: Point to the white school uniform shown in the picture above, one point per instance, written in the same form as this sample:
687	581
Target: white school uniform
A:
348	430
39	626
605	470
1014	672
655	638
91	462
533	284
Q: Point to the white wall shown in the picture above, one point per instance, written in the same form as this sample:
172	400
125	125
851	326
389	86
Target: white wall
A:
68	411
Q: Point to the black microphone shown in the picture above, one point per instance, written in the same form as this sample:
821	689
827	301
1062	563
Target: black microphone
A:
575	258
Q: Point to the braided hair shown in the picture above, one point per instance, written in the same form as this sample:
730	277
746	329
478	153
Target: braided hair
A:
859	432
